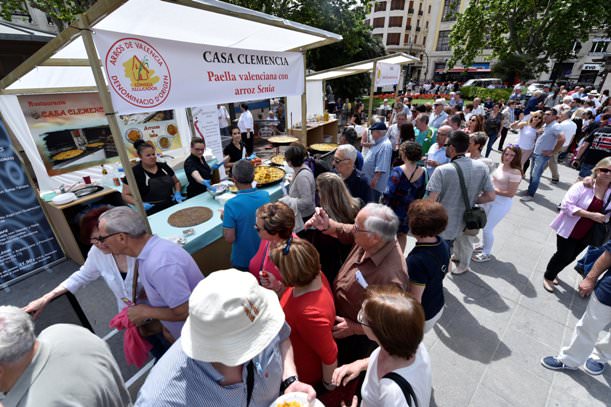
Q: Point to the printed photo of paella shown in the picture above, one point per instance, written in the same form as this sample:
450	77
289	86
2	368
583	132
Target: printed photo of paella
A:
67	155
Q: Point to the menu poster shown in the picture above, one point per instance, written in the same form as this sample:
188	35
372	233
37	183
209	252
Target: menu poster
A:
70	130
26	240
157	128
206	123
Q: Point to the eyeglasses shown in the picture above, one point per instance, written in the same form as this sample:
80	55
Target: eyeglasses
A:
604	170
356	229
102	239
339	160
360	318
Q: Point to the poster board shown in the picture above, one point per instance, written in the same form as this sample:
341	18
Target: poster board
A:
387	74
26	241
158	128
70	130
206	124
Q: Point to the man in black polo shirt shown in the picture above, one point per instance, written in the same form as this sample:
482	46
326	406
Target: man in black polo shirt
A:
595	147
343	161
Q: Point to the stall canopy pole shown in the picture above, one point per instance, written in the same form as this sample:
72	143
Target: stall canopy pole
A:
371	91
111	115
304	105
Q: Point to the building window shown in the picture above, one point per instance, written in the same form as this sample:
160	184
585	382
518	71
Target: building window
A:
599	47
406	41
379	37
424	40
411	7
450	9
378	22
395	21
443	41
380	6
393	39
397	5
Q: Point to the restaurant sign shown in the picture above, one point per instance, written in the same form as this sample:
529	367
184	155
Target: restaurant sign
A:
145	73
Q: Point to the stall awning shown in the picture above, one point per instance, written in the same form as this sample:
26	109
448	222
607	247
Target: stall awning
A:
15	32
361	67
62	64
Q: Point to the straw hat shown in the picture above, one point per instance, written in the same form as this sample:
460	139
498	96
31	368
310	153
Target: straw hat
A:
440	101
231	319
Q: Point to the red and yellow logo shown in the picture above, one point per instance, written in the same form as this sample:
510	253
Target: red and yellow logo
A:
138	73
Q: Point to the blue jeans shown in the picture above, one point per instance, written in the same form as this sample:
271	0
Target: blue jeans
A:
538	164
491	139
588	259
585	170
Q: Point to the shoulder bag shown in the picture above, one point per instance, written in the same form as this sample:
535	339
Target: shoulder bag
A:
153	326
408	392
600	232
474	217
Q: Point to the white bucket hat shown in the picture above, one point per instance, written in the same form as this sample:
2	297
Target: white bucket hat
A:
231	319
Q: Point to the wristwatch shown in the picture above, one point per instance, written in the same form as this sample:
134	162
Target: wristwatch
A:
287	382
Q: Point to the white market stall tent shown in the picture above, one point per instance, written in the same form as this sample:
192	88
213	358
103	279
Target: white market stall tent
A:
315	82
216	35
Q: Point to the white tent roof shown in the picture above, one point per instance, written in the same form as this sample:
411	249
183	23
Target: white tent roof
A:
361	67
63	63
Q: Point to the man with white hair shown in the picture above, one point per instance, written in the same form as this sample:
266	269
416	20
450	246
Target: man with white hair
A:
376	259
235	349
344	162
478	108
439	116
167	272
66	365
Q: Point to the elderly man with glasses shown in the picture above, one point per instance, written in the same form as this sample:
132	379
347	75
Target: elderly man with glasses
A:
344	161
167	272
376	259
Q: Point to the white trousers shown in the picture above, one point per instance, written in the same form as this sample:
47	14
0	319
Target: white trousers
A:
585	342
495	212
430	323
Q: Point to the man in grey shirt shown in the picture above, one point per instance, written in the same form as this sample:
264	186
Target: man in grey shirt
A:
444	186
551	139
65	366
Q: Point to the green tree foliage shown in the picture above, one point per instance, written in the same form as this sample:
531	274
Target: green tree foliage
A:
61	12
525	34
345	17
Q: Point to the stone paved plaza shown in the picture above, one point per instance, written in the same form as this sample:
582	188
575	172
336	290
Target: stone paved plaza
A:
498	321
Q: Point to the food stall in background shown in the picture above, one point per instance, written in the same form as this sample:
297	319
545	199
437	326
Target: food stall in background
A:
136	69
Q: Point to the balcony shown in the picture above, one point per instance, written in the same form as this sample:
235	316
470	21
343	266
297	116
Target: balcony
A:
420	12
408	28
410	11
417	29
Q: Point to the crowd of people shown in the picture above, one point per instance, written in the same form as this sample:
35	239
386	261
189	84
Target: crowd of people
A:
321	298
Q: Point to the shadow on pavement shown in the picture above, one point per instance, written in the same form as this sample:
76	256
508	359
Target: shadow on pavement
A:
463	334
508	272
477	291
596	389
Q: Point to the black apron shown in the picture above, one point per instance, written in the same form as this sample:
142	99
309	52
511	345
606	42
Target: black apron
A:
161	191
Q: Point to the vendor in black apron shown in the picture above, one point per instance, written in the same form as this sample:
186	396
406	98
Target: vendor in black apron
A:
158	186
197	170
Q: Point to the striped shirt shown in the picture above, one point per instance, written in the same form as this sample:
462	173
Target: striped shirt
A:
178	380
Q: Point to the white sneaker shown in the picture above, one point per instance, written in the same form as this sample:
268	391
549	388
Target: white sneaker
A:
460	270
527	198
480	258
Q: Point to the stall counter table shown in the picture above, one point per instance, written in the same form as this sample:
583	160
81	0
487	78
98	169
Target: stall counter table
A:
207	246
316	132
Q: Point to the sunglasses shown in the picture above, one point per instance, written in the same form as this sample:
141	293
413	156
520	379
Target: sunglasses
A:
604	170
102	239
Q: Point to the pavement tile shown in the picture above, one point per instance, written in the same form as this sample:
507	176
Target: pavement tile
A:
538	326
517	386
485	397
591	390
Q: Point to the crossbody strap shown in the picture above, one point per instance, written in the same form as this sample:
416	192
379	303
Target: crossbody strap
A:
250	381
604	209
463	187
406	388
135	283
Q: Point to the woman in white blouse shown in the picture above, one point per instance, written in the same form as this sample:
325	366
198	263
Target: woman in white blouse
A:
116	270
394	320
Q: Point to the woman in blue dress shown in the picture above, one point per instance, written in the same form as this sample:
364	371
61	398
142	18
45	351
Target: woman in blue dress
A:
406	183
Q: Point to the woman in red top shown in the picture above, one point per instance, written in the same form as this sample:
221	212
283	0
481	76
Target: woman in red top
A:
275	223
309	310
